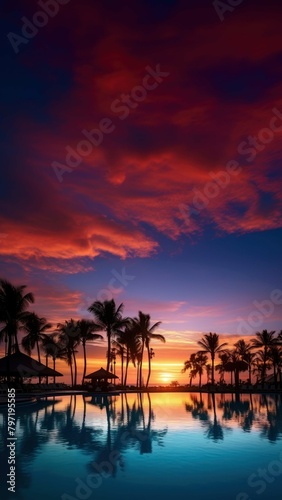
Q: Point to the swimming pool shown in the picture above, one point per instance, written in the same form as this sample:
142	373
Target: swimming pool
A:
163	445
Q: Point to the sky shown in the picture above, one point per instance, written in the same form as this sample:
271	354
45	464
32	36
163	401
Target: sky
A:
141	161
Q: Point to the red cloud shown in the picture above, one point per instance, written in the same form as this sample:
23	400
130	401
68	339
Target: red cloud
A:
163	153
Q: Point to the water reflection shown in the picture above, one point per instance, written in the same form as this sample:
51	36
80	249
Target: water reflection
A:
213	427
262	412
130	427
100	426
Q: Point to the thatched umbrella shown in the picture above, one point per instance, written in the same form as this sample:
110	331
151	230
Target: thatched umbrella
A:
21	365
101	375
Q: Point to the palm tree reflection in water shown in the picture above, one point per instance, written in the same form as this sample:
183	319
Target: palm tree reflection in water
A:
130	424
132	430
264	411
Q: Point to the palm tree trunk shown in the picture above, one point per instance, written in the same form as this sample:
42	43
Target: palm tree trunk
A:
236	377
54	367
137	375
126	366
84	357
250	373
38	351
200	379
122	361
275	375
141	364
212	360
149	366
16	339
71	370
109	348
47	366
264	367
75	368
39	360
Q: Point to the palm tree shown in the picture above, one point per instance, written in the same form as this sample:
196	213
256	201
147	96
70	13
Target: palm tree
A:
221	367
210	344
52	348
200	363
35	328
129	346
236	365
244	351
208	371
152	336
189	364
109	318
259	365
86	329
13	311
264	340
145	332
196	364
275	356
69	340
134	348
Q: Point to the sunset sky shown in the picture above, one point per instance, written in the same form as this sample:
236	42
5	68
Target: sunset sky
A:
174	208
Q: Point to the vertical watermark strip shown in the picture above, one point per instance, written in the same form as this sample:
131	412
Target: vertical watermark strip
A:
11	439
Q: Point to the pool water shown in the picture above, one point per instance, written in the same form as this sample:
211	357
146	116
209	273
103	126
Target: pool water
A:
163	445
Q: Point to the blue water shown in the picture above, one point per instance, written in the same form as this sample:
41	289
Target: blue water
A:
170	445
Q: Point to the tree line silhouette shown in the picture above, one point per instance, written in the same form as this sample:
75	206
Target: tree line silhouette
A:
128	338
261	354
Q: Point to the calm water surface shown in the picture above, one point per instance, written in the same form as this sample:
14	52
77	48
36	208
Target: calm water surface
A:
181	445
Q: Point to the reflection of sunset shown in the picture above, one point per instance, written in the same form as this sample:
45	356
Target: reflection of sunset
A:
182	442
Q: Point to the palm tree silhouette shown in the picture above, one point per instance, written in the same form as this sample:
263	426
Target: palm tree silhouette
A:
210	344
86	329
144	330
244	350
264	340
53	348
109	318
221	367
236	365
195	364
13	312
275	356
69	340
35	328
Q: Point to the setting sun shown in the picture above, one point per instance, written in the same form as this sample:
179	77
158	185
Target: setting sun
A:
166	377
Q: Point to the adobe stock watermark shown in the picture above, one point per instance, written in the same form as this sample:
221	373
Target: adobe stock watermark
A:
122	107
227	6
261	311
252	146
262	477
40	18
